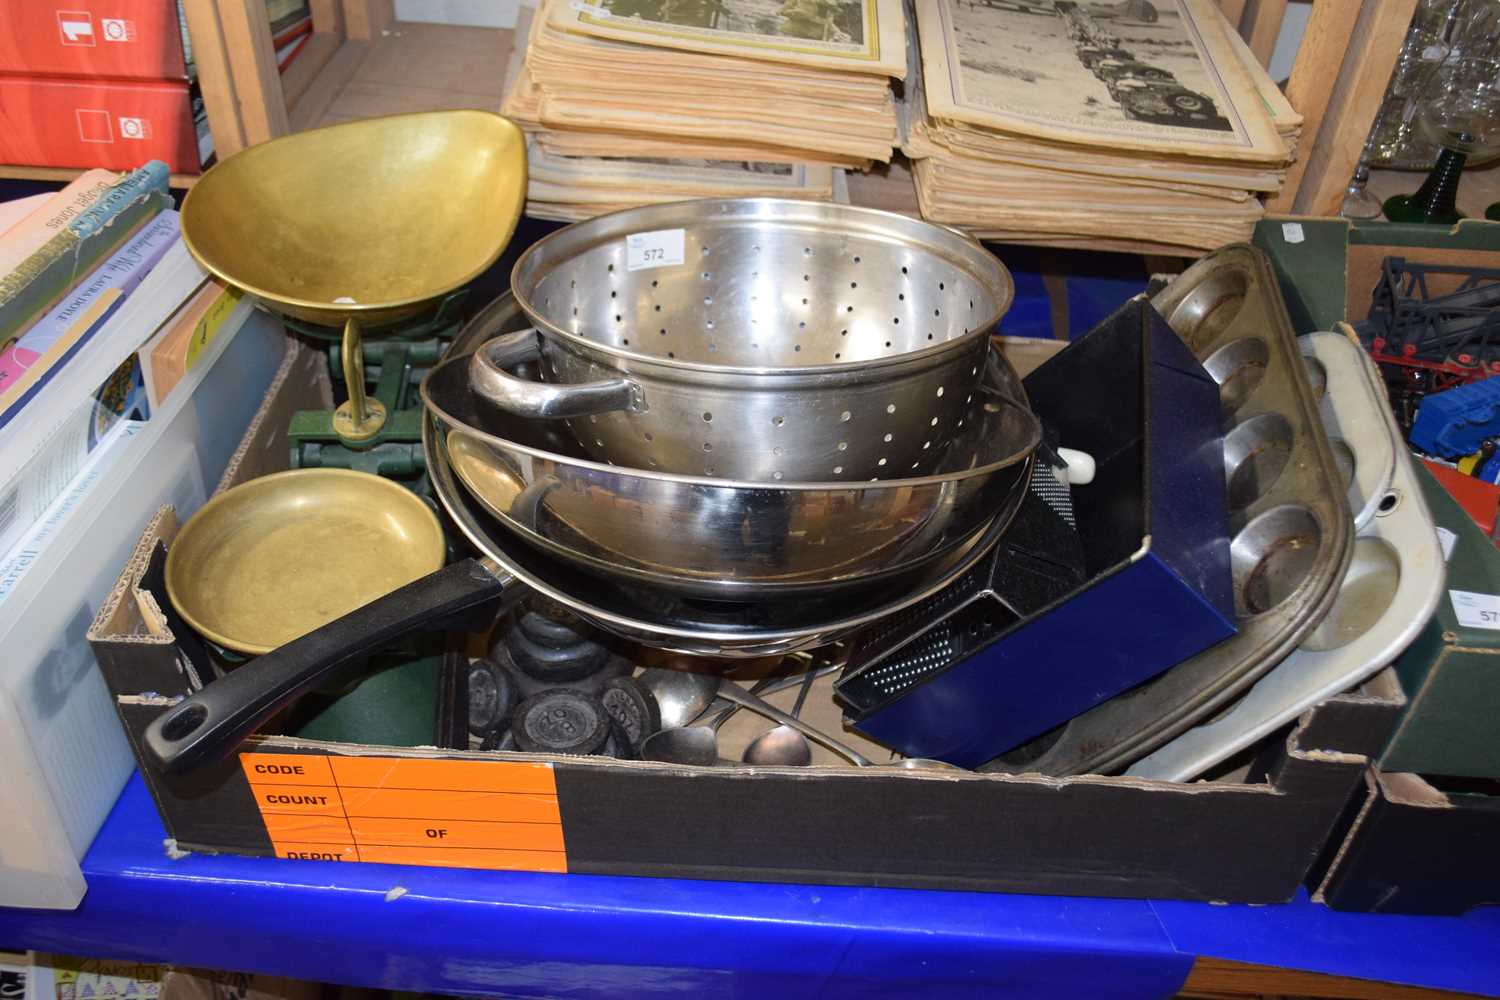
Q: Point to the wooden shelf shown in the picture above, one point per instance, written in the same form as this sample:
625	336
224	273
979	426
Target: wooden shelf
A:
409	67
1219	979
360	62
66	174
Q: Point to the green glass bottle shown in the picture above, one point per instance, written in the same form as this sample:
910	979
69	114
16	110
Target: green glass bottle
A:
1434	201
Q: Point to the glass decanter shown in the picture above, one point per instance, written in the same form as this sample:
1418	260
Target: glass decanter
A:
1458	108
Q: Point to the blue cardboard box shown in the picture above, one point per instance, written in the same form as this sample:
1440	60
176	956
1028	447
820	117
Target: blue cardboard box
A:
986	665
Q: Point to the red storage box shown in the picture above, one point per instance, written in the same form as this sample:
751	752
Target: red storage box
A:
101	123
120	39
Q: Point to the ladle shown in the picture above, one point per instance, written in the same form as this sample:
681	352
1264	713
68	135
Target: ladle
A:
686	689
784	746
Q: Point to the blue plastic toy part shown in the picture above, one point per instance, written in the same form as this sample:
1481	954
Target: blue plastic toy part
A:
1453	422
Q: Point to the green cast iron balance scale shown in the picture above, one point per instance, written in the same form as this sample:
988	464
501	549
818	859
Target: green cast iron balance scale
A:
376	225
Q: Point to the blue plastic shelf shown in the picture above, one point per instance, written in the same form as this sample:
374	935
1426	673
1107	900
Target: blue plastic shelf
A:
503	933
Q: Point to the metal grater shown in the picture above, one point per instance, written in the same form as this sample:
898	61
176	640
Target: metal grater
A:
1045	483
1041	559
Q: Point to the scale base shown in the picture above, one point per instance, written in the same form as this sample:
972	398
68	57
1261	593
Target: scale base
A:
390	446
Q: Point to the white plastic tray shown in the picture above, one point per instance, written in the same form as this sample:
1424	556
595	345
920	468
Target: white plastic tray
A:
63	755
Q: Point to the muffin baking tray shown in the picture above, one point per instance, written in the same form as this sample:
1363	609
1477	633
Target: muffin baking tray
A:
1291	529
1393	584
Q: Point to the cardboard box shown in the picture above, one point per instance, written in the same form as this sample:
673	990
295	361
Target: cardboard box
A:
1093	835
1417	845
69	977
1451	673
1425	842
1329	267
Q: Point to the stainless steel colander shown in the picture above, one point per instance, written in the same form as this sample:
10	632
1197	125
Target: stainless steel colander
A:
753	339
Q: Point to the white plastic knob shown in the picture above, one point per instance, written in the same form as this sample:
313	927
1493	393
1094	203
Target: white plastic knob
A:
1080	466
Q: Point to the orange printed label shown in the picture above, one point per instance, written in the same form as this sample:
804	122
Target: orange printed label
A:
497	807
457	833
444	775
316	852
307	829
286	769
447	813
322	800
451	857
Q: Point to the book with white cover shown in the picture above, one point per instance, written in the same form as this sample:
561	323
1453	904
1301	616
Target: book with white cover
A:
31	549
47	442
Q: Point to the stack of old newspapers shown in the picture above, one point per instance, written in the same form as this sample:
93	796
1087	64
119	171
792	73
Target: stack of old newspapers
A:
1129	123
629	102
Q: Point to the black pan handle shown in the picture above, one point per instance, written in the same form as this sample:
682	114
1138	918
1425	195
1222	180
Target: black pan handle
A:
208	726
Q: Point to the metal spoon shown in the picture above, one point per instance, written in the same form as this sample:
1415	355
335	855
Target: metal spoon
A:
678	693
696	744
681	687
783	745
